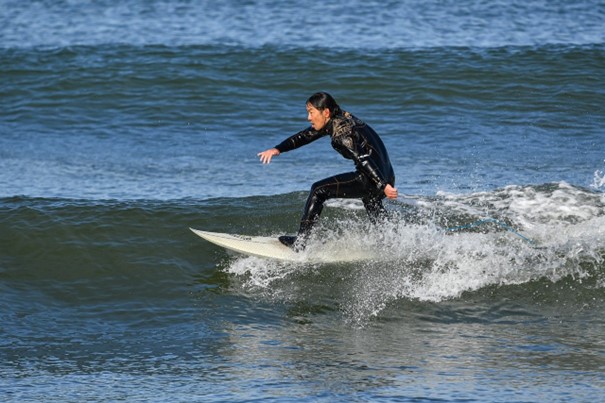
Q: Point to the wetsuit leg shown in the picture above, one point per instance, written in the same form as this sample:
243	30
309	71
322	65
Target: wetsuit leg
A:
349	185
374	207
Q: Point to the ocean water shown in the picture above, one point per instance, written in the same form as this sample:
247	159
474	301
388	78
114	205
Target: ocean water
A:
124	124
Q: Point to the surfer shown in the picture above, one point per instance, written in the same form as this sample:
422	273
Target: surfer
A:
373	179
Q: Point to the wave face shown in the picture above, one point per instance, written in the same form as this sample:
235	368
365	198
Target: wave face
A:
433	249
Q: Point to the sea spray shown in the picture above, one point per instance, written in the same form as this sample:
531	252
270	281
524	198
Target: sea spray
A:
416	259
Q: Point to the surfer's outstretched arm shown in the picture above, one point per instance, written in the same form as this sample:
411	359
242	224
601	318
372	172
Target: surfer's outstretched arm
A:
265	156
297	140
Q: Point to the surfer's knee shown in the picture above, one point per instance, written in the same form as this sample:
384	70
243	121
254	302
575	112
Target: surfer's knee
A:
319	191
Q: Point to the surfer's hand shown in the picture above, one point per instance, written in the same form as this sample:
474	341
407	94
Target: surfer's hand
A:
390	192
265	156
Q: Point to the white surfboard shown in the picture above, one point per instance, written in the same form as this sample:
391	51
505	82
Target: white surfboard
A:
271	248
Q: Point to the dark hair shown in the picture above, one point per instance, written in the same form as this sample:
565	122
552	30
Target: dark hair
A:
323	100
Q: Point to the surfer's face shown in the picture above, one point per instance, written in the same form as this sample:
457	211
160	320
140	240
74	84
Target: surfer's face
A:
317	118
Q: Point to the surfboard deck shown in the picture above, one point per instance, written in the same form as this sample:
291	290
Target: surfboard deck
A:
250	245
268	247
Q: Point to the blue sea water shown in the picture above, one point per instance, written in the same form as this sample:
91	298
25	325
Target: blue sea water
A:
123	124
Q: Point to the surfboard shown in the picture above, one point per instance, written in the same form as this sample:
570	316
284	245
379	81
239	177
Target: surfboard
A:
268	247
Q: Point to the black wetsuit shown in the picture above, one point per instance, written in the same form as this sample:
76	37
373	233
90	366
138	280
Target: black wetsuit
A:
357	141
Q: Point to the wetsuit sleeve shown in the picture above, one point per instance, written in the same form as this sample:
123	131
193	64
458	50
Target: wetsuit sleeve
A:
299	139
362	159
366	166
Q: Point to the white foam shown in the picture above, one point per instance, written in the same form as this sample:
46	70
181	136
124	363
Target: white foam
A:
424	262
598	181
